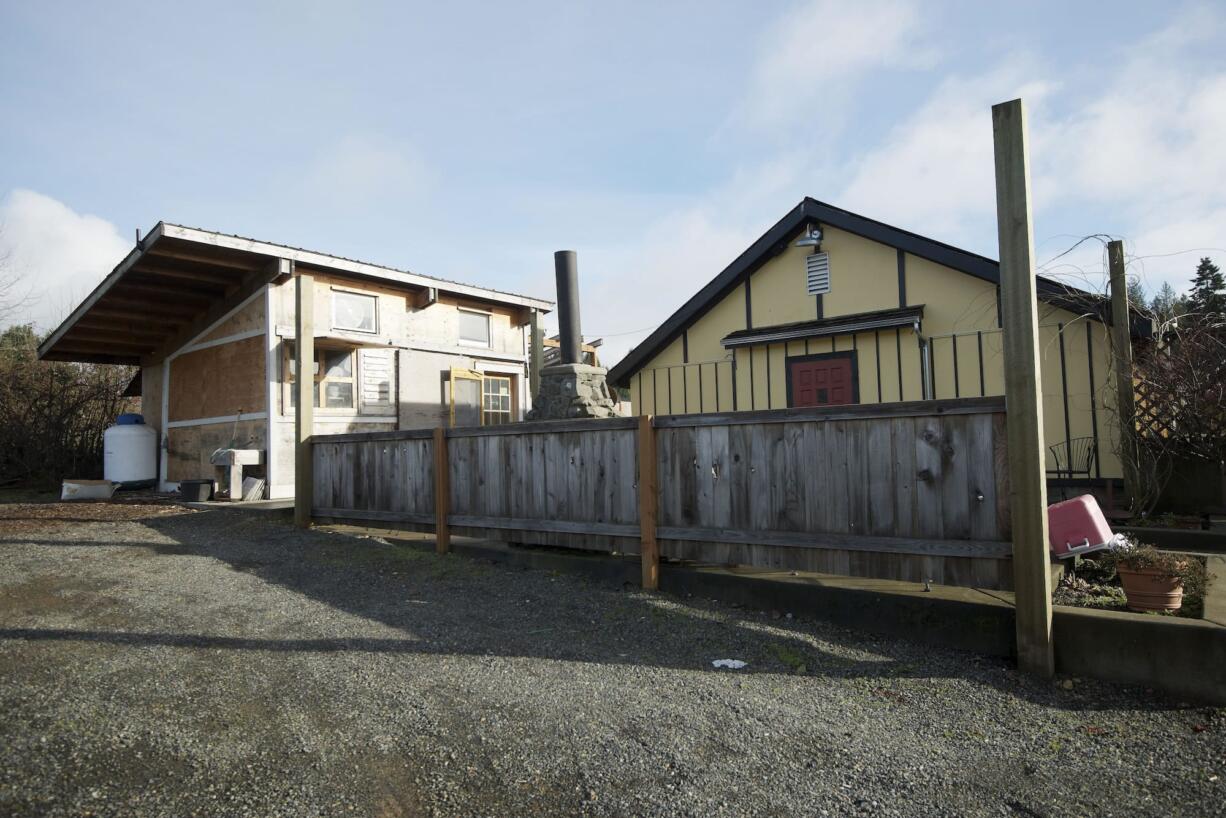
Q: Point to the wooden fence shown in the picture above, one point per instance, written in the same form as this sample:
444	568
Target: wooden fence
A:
912	491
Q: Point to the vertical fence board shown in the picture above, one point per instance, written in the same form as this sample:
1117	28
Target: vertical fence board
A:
882	478
955	483
928	475
918	477
721	488
902	435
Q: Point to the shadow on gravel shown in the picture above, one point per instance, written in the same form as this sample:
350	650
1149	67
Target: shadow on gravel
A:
457	606
183	640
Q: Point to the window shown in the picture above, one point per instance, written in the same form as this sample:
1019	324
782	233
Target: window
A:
355	311
334	378
474	328
495	400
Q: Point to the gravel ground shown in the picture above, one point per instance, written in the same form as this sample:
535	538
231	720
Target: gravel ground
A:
157	661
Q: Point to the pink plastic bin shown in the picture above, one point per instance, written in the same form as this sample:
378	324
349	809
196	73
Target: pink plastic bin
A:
1077	526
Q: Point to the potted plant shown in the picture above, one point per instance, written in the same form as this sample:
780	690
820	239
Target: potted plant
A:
1156	580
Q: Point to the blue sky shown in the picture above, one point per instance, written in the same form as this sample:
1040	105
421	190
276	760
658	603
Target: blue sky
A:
658	140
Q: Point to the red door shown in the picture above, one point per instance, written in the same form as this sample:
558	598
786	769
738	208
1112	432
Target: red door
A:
827	380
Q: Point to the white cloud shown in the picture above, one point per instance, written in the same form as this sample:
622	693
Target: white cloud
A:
58	255
812	56
934	171
1145	154
637	286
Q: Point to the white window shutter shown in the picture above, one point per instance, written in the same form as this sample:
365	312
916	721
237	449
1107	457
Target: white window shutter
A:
376	375
817	267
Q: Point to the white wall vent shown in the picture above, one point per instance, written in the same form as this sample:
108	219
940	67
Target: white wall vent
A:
817	266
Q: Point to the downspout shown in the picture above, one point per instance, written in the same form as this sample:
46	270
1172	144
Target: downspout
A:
925	347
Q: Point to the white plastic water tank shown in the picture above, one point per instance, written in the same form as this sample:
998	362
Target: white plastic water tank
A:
130	452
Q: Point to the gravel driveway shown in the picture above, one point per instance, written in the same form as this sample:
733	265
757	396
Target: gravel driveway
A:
158	661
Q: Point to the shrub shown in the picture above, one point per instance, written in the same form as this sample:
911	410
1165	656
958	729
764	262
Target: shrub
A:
53	414
1143	557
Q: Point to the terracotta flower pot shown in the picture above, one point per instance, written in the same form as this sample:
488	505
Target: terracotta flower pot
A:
1150	589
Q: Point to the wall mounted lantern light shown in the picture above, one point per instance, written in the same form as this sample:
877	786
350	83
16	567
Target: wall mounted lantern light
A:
811	239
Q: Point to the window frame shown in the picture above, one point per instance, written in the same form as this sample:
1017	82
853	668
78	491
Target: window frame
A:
488	343
339	291
288	379
509	396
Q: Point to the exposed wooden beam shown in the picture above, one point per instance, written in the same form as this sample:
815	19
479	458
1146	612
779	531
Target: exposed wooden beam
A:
85	306
216	278
162	251
142	312
172	294
250	286
1121	363
93	358
1023	392
181	285
649	497
72	346
537	360
442	492
424	297
335	263
147	307
128	330
78	335
304	391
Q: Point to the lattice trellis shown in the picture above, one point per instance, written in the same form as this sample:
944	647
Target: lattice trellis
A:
1180	403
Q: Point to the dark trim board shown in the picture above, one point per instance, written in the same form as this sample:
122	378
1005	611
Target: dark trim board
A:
902	278
810	211
828	327
850	411
825	356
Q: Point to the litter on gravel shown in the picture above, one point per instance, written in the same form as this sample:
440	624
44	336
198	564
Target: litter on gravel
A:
731	664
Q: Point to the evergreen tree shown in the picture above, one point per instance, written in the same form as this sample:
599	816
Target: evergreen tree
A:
1166	304
1208	297
1136	294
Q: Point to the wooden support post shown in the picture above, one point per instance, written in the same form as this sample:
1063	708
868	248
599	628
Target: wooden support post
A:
442	492
304	392
1023	391
1121	362
649	497
536	359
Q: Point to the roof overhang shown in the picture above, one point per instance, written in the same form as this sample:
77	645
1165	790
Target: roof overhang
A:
178	281
821	328
166	291
810	212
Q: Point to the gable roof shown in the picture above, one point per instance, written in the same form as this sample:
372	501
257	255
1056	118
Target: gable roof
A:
810	211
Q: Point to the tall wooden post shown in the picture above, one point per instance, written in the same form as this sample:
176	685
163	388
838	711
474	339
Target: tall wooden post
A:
1023	391
304	393
1121	363
536	357
649	495
442	492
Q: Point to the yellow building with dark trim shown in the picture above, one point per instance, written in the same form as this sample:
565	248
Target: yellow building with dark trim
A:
830	307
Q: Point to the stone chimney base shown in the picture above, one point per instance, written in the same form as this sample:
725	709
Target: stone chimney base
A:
573	391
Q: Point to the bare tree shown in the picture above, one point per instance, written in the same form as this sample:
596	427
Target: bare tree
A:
1180	410
53	414
13	295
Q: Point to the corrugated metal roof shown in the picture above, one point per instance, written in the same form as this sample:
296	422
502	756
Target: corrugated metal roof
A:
351	260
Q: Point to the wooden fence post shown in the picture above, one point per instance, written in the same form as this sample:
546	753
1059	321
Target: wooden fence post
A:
442	492
536	357
1023	391
304	392
1121	363
649	498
